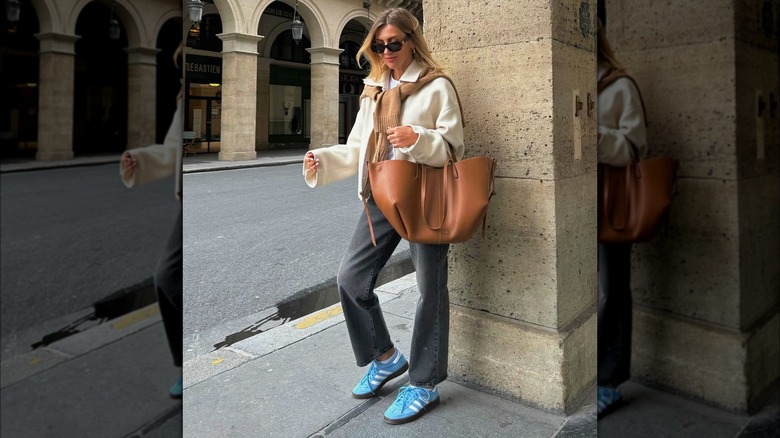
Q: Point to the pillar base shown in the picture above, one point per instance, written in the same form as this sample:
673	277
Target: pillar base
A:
547	369
728	368
237	156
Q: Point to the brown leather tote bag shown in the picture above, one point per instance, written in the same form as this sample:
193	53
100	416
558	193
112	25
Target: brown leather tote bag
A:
433	205
634	201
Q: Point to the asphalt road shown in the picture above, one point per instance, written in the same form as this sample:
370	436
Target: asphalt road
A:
72	236
254	237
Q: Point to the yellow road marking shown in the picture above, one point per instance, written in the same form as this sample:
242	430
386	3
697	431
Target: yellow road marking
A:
217	361
135	317
35	361
320	316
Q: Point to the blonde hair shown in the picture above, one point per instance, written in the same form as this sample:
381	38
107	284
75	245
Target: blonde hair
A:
605	54
407	23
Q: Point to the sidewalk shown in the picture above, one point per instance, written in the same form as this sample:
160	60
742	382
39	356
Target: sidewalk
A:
110	380
210	162
292	380
295	381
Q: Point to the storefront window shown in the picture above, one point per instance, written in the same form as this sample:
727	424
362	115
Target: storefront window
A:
204	116
286	116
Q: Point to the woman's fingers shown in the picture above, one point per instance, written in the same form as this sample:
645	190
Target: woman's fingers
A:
312	162
401	136
129	161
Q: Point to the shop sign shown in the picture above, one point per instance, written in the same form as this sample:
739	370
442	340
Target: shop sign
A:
203	68
350	83
279	12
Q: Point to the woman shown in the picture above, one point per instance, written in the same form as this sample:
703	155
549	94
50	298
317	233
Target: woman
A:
419	130
144	165
621	135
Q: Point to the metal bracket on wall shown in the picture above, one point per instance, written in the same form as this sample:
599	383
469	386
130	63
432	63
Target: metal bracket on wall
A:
591	105
577	125
577	105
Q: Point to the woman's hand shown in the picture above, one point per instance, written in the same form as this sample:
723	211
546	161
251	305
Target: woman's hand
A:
311	163
128	163
402	136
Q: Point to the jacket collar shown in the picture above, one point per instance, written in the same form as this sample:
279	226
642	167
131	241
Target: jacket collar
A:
412	74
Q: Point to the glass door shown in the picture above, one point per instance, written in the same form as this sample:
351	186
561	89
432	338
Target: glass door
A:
204	116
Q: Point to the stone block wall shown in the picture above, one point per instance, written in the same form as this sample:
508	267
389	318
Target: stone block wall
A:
707	290
523	299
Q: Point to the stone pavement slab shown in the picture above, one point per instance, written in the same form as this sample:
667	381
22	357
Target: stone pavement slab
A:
167	425
293	392
463	412
649	412
108	392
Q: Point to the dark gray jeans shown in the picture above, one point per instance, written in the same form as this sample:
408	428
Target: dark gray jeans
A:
614	314
365	323
168	282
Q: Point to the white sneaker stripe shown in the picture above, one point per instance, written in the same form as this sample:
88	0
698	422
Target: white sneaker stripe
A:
384	373
397	357
417	402
376	382
414	408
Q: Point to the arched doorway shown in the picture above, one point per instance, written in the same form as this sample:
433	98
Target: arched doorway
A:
203	73
100	85
168	75
289	78
351	74
290	92
19	106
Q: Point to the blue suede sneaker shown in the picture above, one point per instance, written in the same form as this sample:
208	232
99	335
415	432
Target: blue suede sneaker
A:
176	389
608	399
412	402
379	373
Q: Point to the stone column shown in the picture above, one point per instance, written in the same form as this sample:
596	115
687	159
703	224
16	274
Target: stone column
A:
141	96
263	102
706	290
523	300
55	96
239	96
324	96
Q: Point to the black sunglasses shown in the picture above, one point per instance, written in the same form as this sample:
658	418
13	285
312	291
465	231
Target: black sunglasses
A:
393	47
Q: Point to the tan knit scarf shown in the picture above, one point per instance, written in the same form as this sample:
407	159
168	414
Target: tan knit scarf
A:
387	110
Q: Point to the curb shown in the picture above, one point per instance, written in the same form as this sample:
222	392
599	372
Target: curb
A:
207	363
238	166
39	165
186	168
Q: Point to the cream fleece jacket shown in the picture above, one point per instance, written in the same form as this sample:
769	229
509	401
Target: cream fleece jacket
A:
433	113
621	122
157	161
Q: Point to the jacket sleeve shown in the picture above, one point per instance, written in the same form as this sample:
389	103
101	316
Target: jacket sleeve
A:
614	147
156	161
431	145
339	161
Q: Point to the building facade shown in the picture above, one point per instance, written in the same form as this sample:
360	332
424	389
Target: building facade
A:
251	87
87	76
